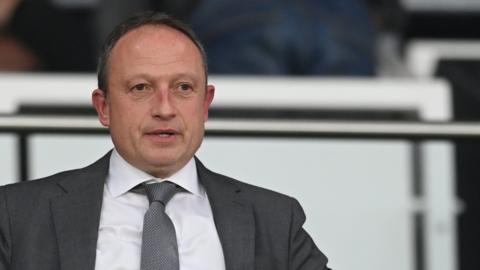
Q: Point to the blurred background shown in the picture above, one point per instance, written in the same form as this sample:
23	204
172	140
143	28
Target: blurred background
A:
410	205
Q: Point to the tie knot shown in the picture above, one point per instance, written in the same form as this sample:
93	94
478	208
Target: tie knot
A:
161	192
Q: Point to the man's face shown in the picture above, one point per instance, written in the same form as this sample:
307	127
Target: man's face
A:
157	99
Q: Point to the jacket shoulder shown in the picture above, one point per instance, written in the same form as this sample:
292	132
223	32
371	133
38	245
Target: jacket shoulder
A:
57	183
261	197
37	185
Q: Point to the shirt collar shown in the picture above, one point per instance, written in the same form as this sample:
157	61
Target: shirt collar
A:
122	177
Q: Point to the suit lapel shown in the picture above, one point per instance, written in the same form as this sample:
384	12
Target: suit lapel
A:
233	217
76	215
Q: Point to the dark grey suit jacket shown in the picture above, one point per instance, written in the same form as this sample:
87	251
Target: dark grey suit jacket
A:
52	223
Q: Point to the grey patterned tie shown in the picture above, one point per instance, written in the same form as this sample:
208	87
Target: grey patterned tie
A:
159	242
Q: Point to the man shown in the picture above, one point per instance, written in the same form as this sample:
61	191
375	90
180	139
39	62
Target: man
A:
154	98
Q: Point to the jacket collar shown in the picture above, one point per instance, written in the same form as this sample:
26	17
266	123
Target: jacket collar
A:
233	217
76	215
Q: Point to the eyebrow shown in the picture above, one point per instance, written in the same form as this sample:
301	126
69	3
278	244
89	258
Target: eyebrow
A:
188	75
142	75
148	76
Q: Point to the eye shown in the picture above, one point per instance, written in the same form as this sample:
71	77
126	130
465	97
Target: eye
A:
140	87
185	87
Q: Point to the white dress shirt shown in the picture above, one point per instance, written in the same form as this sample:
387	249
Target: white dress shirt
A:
121	220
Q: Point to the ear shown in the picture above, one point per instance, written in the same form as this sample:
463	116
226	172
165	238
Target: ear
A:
210	93
101	104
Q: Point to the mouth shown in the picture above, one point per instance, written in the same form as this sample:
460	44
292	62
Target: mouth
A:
162	135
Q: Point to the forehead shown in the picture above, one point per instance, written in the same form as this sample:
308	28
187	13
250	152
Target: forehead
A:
155	44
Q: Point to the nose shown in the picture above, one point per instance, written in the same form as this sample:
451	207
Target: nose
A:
162	105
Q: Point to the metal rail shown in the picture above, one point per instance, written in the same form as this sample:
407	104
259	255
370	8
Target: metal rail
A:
262	128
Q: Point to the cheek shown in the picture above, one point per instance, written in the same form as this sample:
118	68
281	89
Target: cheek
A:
125	118
198	124
195	114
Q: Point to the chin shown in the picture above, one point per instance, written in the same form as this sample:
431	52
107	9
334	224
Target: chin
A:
162	160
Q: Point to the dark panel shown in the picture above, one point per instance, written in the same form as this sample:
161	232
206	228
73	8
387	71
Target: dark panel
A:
464	77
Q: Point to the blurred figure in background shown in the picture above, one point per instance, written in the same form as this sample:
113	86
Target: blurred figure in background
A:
14	55
310	37
289	37
271	37
57	33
